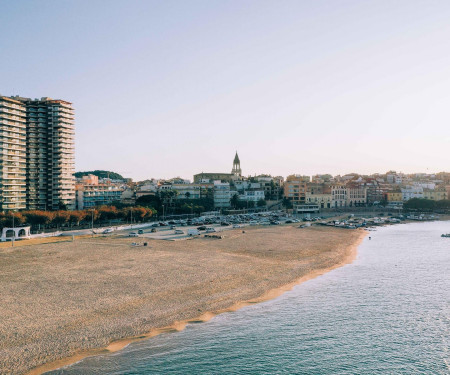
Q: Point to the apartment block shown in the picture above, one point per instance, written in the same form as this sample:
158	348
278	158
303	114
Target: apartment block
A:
90	193
13	154
37	136
295	188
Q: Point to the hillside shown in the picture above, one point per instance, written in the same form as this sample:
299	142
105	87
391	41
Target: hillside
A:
100	174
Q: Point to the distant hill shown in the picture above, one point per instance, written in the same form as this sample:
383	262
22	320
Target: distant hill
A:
100	174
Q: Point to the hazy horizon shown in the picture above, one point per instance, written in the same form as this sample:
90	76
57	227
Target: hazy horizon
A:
164	89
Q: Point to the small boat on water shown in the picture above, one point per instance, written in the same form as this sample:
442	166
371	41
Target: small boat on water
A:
445	235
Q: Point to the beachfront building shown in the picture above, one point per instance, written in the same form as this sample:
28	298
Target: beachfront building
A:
221	194
295	188
409	192
437	194
13	155
90	193
37	143
393	197
338	196
356	195
252	196
272	186
187	191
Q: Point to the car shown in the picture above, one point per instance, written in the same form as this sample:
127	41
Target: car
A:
288	221
201	228
133	234
178	231
224	224
193	232
109	230
155	225
274	222
236	226
153	230
140	231
172	227
210	230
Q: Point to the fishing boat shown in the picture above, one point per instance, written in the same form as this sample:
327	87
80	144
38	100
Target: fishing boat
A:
445	235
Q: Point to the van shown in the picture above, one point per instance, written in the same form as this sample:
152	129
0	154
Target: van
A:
193	232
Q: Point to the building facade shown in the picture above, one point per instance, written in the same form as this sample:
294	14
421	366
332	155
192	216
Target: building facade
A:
13	155
37	147
295	188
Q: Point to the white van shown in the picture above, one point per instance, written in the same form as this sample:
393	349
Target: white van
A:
193	232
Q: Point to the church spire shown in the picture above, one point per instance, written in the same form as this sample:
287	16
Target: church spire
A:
236	166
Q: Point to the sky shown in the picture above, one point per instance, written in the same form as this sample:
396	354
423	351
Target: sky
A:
173	88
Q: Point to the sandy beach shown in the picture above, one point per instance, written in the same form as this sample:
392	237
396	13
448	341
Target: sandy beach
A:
64	301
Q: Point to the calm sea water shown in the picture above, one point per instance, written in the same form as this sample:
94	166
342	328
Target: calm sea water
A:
386	313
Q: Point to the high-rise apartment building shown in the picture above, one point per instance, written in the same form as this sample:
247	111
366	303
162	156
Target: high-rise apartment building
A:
37	154
13	156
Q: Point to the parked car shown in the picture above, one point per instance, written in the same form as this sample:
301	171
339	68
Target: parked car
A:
133	234
178	231
172	227
201	228
109	230
236	226
210	230
153	230
193	232
140	231
155	225
224	224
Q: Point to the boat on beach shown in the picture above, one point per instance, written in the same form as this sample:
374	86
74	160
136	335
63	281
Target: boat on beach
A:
447	235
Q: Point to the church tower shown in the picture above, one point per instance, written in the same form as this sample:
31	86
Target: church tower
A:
236	166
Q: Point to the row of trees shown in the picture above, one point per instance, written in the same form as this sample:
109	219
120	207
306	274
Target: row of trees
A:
426	204
44	219
236	203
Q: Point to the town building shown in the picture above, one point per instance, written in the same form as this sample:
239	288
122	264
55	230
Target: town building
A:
295	188
393	197
221	194
236	174
435	194
37	147
90	193
410	192
252	196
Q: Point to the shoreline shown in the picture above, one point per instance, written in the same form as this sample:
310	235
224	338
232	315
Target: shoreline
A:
117	345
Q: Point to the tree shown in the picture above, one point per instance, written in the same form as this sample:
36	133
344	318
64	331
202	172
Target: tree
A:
60	217
108	213
187	195
75	217
234	201
10	218
419	204
38	218
287	203
261	203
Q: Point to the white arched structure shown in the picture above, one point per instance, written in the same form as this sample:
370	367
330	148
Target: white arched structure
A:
19	233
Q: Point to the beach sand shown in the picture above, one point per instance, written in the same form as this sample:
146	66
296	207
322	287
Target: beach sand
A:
64	301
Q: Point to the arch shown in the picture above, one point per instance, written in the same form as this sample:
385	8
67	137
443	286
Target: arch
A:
21	233
10	233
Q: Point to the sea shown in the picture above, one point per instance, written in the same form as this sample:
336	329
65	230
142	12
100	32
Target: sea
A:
386	313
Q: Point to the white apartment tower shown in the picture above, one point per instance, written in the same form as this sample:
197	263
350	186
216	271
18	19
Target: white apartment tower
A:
36	154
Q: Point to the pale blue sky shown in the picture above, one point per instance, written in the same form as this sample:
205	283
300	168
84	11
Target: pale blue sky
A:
165	88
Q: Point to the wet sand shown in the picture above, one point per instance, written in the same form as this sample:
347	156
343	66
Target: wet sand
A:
64	301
